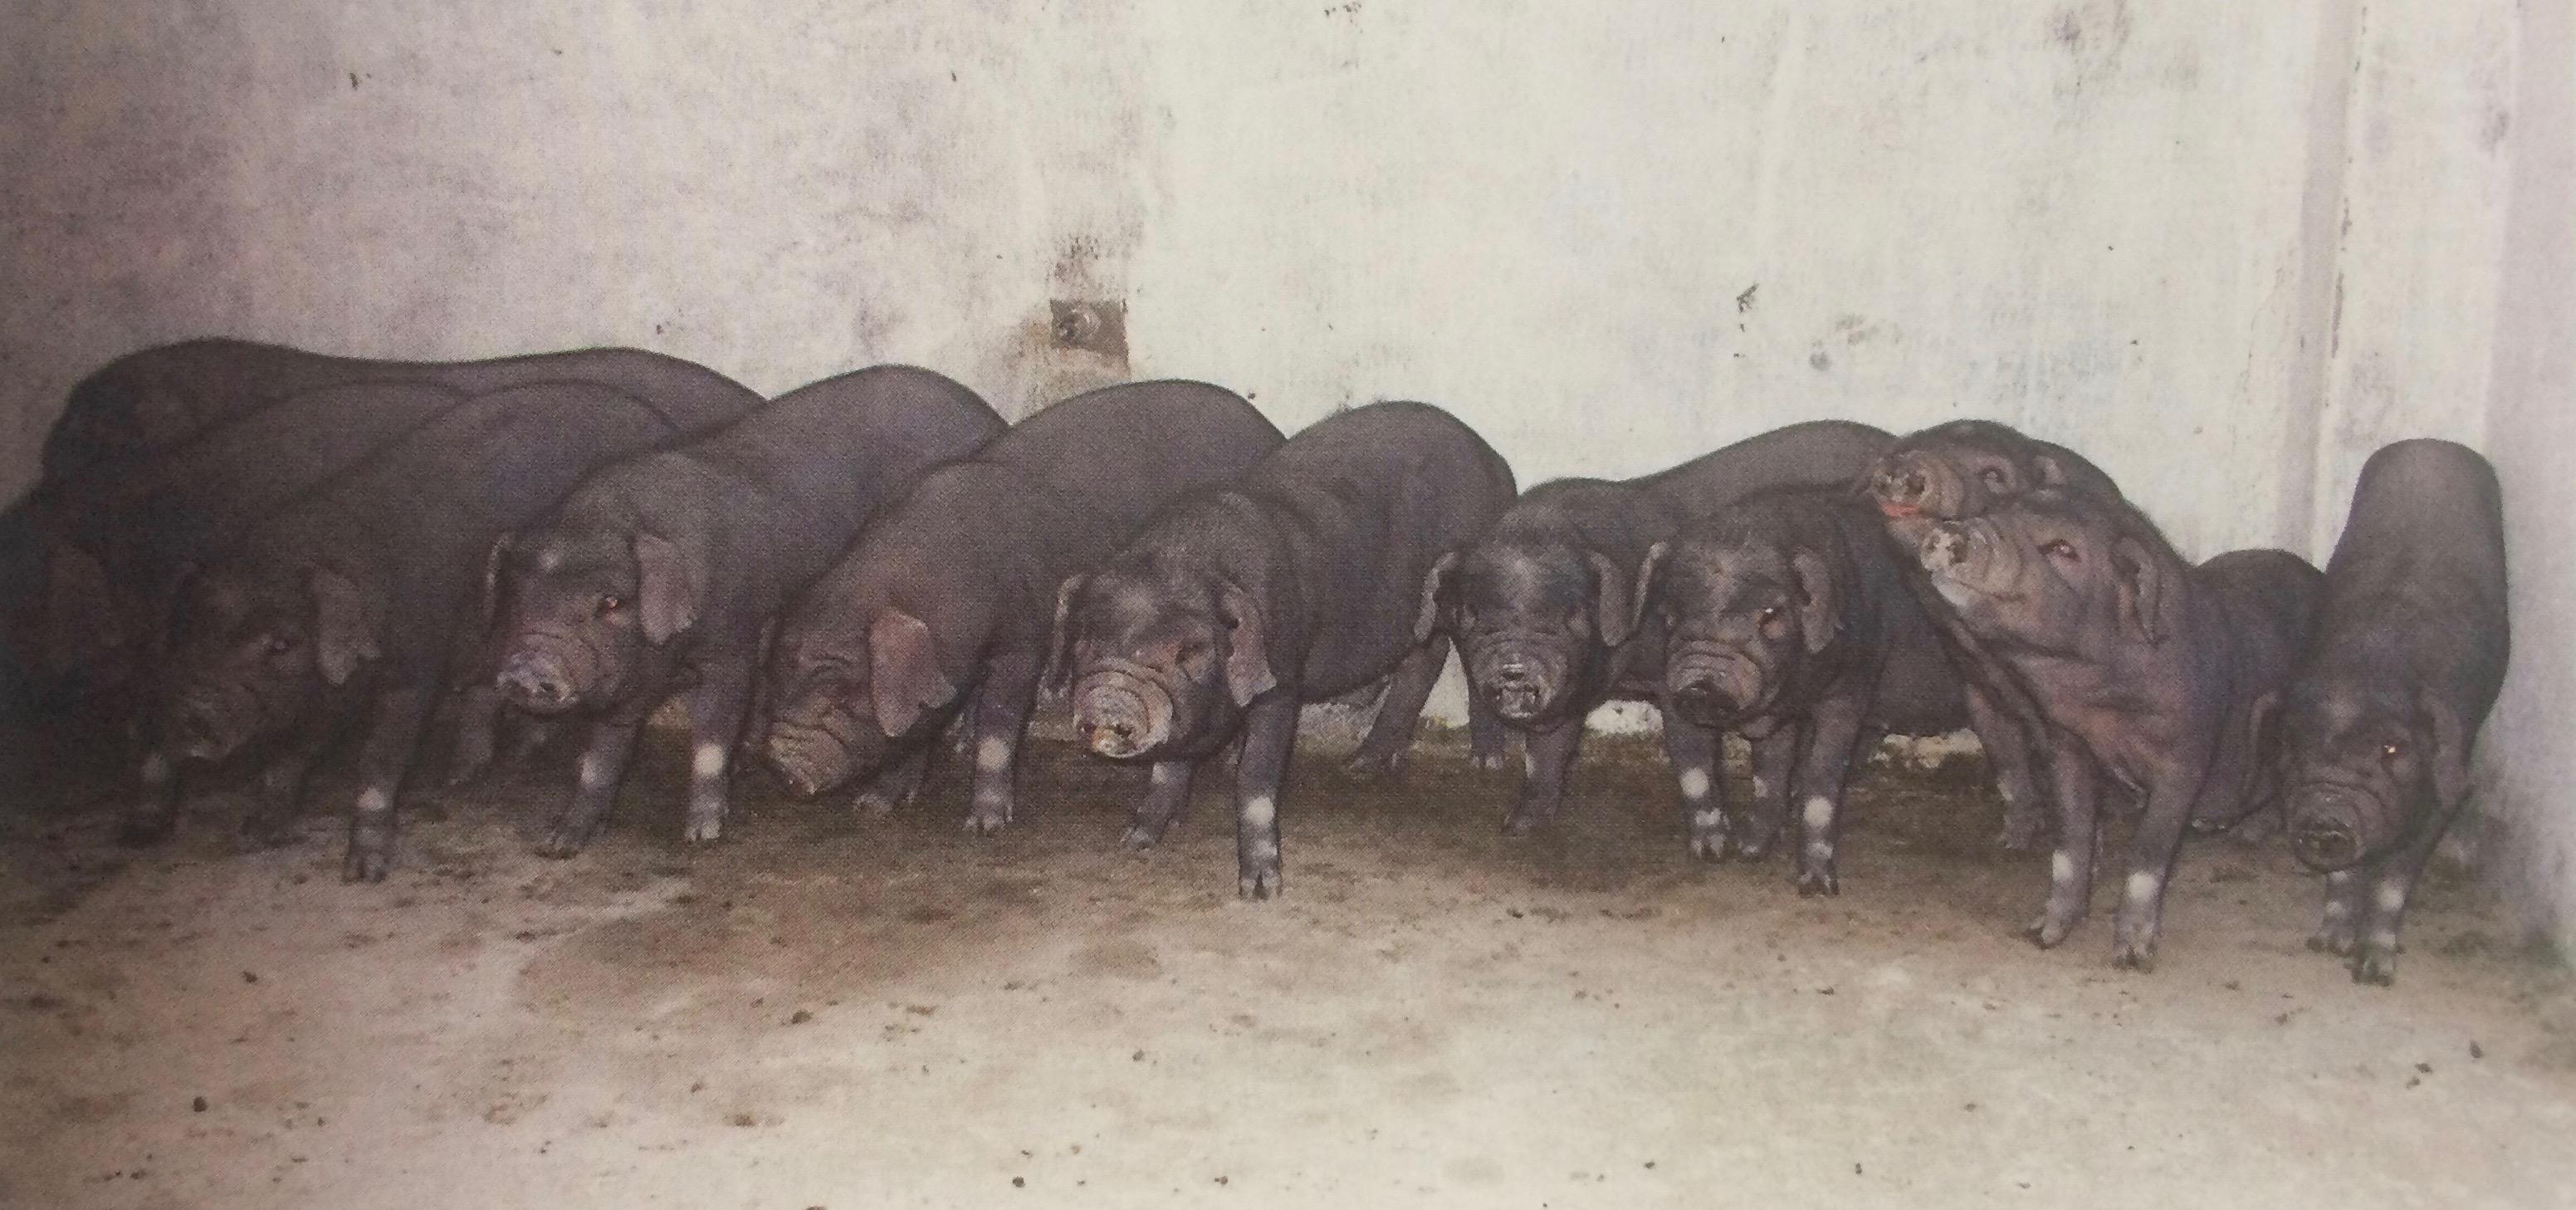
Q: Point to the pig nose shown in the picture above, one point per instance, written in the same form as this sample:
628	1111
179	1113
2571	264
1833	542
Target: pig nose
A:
2326	828
1902	486
1110	737
534	682
1945	546
196	727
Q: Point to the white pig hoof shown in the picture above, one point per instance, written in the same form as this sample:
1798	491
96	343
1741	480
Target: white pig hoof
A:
987	823
365	865
1489	762
1259	884
1710	847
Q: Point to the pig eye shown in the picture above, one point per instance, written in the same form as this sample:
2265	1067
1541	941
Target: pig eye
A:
2060	548
1770	614
610	604
2391	750
280	644
1994	477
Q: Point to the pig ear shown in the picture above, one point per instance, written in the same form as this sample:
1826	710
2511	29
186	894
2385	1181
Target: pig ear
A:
1247	655
2449	759
904	671
1819	602
667	584
2261	750
493	560
1613	611
1434	584
2142	590
343	635
1646	571
1059	665
2048	470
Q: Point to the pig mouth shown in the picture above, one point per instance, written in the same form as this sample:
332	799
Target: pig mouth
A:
209	724
809	758
547	678
1120	714
1522	684
2331	824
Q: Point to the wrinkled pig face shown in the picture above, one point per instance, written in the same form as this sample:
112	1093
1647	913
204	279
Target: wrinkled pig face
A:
243	665
2047	572
1533	624
566	631
1738	617
1157	660
1963	469
847	691
2356	771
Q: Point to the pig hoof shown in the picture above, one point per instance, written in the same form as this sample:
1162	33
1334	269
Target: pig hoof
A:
2046	933
874	802
1489	762
1522	823
703	831
1367	767
986	823
364	865
1141	836
137	833
1749	847
2373	968
2331	939
567	840
1260	884
2139	956
2022	836
1818	882
1708	848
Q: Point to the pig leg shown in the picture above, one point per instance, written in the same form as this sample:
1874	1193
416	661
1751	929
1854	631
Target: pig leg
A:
898	784
402	712
2342	924
1166	797
1002	704
603	768
2390	884
1269	733
1694	753
2075	784
1485	735
1775	772
1547	758
2008	757
155	812
1399	711
2153	847
1831	736
272	819
716	705
476	728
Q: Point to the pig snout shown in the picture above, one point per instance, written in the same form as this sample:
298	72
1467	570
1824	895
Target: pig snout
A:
809	759
1947	547
1902	487
1711	687
535	682
1518	684
200	728
2329	826
1120	716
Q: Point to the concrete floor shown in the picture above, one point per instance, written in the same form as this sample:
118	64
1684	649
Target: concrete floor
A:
861	1012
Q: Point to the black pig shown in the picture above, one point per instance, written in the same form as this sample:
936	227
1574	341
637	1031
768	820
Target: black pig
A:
1963	469
157	398
949	595
2378	721
1292	584
1787	619
1543	606
353	603
661	573
2149	667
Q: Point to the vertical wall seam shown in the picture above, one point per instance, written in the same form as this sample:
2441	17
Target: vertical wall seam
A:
2322	214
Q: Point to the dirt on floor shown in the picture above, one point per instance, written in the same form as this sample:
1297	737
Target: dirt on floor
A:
833	1010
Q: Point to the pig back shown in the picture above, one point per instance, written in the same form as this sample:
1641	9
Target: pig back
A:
1815	454
2418	577
1119	452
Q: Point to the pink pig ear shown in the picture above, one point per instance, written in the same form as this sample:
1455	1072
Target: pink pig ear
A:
903	671
1614	614
2142	589
669	581
1059	664
1819	606
1247	651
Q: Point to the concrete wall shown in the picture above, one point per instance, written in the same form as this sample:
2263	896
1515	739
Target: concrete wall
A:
2226	248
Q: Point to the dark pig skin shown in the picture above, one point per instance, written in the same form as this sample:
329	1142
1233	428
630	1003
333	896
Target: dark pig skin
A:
2149	667
1787	620
160	397
661	573
357	602
2376	726
114	544
945	602
1295	583
1962	469
1543	607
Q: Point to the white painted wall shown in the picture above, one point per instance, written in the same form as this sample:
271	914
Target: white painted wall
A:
2225	248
